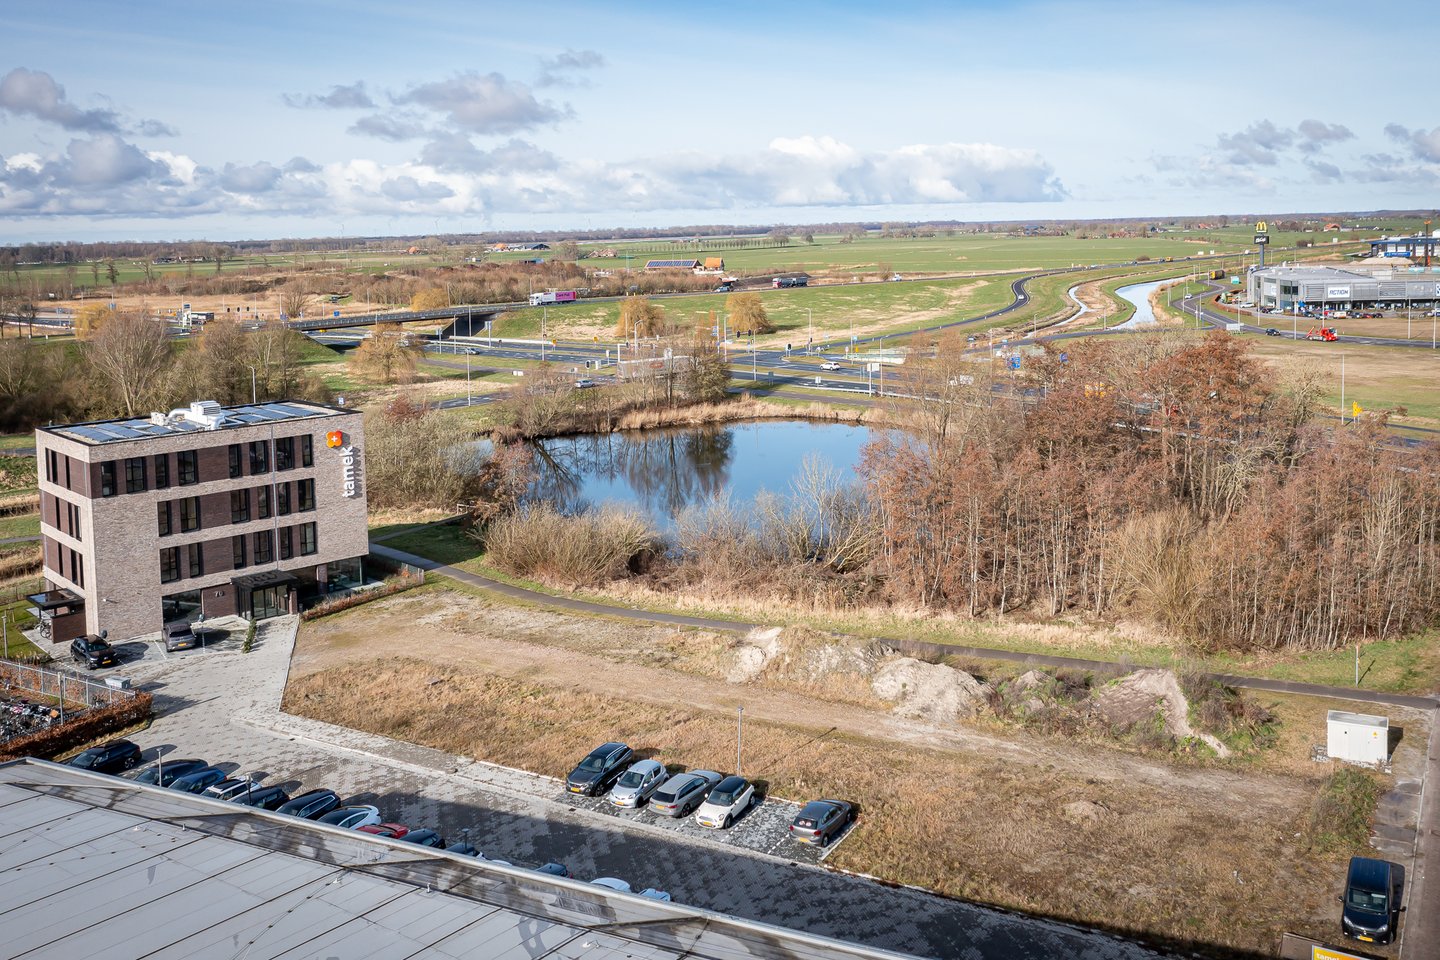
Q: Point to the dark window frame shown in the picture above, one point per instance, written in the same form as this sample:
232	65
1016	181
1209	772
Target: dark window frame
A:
195	558
162	471
307	450
136	476
107	478
169	564
237	552
240	514
237	461
189	514
262	503
259	457
264	547
164	518
282	499
188	467
305	495
309	539
284	453
287	543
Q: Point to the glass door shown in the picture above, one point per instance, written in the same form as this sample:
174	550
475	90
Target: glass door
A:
269	601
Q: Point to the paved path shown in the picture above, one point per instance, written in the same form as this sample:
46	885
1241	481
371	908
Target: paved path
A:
223	706
1420	924
908	646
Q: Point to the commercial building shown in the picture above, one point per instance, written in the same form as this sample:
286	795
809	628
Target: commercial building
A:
203	510
1420	249
109	869
1316	288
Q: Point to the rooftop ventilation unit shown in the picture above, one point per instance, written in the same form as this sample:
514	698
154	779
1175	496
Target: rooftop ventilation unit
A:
203	413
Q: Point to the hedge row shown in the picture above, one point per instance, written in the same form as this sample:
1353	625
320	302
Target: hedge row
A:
90	725
391	586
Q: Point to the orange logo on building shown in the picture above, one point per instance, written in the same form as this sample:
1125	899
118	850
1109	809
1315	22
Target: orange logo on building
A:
335	438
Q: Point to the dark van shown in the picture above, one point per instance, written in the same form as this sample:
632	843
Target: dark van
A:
1371	901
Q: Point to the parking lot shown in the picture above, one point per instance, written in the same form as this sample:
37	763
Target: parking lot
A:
223	706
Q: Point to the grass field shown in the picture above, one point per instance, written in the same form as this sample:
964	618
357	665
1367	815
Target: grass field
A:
1377	378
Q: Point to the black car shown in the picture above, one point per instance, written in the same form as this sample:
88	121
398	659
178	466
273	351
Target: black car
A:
1271	332
113	757
425	838
821	821
312	805
166	772
93	652
266	798
598	771
179	636
1371	900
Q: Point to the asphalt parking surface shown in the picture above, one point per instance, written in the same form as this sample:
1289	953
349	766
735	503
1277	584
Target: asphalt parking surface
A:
222	706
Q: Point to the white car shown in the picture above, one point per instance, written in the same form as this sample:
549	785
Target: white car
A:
584	382
353	817
637	784
612	884
231	788
654	894
830	365
730	798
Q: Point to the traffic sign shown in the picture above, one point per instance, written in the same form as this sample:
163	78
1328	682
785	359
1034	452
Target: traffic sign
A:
1064	358
337	313
1014	363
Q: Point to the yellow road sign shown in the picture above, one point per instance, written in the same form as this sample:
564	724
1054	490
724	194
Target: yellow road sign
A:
1262	227
1355	409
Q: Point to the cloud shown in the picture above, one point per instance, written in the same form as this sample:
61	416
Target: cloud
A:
1259	143
1322	172
408	189
101	161
456	152
35	93
254	178
394	129
554	71
1424	146
352	97
1316	134
484	104
155	128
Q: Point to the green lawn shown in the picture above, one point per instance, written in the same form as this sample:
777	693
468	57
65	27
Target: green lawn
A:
24	525
17	441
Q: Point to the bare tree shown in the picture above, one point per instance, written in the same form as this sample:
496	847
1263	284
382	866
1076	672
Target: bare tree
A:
293	300
130	353
388	355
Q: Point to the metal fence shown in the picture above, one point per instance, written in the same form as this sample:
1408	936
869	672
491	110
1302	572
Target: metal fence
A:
59	685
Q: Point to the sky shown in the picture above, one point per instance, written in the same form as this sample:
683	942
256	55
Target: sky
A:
311	118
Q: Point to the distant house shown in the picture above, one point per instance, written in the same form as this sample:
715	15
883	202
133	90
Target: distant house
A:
715	264
671	264
1332	226
529	246
413	250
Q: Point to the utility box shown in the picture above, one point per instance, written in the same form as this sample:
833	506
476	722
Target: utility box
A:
1358	738
118	683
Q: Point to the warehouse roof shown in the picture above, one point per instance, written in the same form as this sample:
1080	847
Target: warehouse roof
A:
98	867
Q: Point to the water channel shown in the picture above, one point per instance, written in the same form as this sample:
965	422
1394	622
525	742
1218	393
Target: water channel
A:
1139	295
661	472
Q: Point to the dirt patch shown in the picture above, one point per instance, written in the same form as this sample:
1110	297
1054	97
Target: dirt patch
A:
932	692
1147	696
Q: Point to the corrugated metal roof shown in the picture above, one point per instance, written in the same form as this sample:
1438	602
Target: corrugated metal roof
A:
97	867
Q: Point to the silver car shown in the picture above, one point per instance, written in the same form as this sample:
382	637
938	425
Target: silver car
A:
636	784
683	793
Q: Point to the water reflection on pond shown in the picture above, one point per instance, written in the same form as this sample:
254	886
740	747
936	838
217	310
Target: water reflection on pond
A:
663	471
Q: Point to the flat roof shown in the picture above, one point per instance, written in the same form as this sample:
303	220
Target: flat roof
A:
142	428
99	867
1313	273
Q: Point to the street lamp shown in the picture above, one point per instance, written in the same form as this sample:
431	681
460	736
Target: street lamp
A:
254	396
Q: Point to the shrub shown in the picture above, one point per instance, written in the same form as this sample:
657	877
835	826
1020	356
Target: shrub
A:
248	643
391	586
90	725
580	550
1340	815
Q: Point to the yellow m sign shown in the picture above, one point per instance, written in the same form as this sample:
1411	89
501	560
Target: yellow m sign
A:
1262	227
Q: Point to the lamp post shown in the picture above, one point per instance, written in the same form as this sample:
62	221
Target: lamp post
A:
254	395
739	736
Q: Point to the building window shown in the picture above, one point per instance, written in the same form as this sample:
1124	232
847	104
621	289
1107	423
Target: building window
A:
264	547
77	569
162	471
307	451
107	478
287	544
189	462
197	559
237	552
67	473
282	499
308	543
135	475
52	467
169	564
285	453
262	502
74	512
239	506
236	460
163	510
259	457
189	514
305	494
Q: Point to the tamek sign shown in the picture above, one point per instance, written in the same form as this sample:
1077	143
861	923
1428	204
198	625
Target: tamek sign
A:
1262	233
335	440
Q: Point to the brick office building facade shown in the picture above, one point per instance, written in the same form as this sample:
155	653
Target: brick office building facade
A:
205	510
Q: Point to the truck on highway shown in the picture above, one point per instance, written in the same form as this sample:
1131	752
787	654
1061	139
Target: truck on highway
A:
1321	333
553	296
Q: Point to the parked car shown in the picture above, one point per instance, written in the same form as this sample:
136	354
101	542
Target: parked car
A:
821	821
93	652
612	883
464	850
179	635
1271	332
683	792
231	787
1371	910
311	805
660	895
601	768
198	781
162	773
555	869
584	382
352	817
638	784
425	838
392	831
730	798
113	757
264	798
829	365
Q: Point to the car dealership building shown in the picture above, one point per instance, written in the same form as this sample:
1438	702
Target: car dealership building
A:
203	510
1342	288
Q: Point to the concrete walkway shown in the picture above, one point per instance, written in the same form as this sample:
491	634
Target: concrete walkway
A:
918	647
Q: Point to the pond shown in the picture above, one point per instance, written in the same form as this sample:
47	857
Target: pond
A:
661	472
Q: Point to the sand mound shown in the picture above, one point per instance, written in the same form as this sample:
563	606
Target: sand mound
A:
1084	811
803	656
1137	697
753	653
929	691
